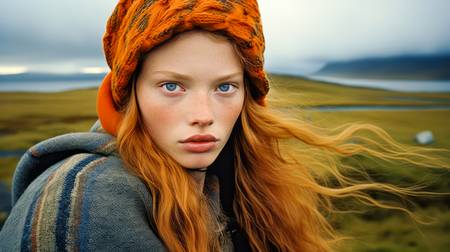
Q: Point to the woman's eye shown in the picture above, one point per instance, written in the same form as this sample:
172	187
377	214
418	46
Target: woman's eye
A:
170	86
225	88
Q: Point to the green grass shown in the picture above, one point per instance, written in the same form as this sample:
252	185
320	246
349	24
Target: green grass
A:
396	233
403	125
28	118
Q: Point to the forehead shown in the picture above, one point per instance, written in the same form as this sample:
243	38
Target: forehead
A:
197	53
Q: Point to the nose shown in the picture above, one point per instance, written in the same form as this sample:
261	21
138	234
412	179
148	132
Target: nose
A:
201	111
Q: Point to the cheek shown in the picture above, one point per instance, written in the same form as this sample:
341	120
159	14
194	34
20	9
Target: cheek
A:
160	120
158	115
228	113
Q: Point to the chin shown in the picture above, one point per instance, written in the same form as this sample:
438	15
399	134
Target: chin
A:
197	161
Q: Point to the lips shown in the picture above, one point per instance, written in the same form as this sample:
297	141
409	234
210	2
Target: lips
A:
200	138
199	143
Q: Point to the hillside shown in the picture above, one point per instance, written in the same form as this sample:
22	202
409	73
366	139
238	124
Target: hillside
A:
405	67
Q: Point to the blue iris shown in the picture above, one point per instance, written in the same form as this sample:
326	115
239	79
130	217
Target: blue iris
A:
224	87
171	86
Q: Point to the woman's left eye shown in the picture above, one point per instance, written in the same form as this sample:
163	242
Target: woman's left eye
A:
226	88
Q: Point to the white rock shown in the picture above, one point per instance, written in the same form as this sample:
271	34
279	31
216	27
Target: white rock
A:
425	137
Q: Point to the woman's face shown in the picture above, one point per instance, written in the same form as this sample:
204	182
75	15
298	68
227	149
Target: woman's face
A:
190	93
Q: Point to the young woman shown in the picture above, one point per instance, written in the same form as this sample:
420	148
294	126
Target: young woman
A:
186	155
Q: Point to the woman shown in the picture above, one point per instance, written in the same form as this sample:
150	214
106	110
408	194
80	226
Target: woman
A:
186	156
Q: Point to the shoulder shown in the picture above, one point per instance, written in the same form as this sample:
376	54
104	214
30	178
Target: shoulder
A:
87	202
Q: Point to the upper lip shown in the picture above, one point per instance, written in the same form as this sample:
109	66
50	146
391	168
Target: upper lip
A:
200	138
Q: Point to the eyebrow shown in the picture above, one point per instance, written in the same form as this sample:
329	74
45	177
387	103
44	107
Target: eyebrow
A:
181	76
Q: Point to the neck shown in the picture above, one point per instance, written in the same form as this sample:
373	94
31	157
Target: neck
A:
199	176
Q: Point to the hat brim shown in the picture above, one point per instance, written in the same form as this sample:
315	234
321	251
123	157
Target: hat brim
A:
109	117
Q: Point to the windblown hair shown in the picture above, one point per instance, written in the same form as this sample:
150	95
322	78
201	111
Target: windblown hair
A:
281	200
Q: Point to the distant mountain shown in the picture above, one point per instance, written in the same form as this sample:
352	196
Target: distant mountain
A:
405	67
49	77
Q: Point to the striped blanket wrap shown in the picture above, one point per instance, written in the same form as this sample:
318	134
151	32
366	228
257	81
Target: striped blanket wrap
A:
72	193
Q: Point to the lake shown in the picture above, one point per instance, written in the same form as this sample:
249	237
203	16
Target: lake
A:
48	86
395	85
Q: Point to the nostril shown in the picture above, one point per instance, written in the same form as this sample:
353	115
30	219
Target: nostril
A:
203	122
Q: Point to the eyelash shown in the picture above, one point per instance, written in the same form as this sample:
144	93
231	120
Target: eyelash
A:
164	86
231	85
169	91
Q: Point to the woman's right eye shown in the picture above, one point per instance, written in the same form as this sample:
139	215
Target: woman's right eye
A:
171	87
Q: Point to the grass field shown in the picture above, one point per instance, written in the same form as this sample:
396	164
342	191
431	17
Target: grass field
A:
28	118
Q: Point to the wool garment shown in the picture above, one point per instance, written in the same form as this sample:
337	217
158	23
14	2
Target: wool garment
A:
73	193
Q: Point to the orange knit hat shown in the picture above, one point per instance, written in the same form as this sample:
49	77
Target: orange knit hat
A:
137	26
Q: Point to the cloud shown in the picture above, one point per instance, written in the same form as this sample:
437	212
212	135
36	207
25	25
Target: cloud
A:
301	35
13	70
50	31
318	31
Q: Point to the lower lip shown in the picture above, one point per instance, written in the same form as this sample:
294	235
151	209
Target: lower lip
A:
199	147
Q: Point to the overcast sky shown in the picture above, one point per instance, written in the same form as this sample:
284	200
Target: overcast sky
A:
301	35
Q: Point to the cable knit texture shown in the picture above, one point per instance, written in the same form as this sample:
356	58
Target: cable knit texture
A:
137	26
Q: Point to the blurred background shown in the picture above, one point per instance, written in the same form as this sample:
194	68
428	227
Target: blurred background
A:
385	62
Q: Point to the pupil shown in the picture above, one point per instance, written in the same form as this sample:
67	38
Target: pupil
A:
171	87
224	87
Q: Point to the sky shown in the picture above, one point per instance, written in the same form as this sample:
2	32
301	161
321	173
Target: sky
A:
301	35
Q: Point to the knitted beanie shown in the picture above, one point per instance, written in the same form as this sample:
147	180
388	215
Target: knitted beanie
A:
137	26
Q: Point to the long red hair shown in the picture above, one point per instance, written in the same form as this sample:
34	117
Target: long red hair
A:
281	199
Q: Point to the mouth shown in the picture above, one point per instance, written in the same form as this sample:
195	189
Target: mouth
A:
199	143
